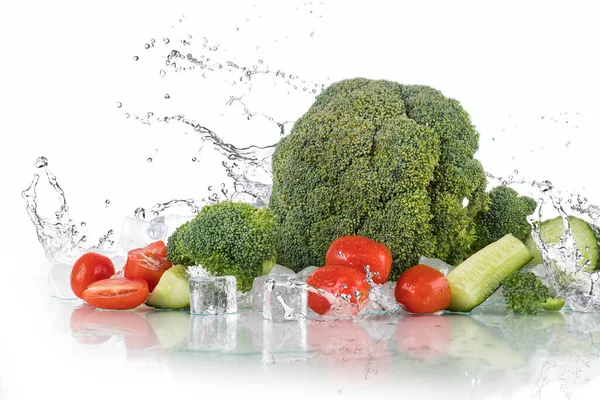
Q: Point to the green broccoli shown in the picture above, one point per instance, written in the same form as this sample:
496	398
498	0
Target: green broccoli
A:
379	159
227	238
525	293
507	213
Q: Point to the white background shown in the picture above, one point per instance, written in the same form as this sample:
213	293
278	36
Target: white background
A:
64	65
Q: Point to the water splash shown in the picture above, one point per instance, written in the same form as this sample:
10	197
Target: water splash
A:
62	239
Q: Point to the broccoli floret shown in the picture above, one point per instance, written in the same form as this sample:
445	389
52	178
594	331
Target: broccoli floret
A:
379	159
227	238
524	292
507	213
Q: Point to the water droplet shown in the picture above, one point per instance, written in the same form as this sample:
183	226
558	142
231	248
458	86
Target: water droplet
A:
135	58
41	162
210	188
119	104
107	201
516	171
152	41
340	391
194	159
167	96
149	159
110	232
146	46
83	224
166	40
163	73
127	115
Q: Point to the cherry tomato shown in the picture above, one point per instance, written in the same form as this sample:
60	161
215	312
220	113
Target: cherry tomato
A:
117	293
357	252
338	280
423	290
148	263
89	268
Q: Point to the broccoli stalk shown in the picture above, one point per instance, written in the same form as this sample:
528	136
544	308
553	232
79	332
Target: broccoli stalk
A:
379	159
506	213
227	238
525	293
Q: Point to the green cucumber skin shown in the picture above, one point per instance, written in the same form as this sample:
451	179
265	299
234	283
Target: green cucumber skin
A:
554	304
584	236
479	276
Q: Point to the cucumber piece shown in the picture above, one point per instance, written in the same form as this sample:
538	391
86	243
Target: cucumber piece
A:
554	304
479	276
583	235
171	327
172	291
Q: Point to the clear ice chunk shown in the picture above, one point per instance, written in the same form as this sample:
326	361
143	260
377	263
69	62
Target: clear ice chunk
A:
284	342
280	270
59	282
213	333
172	221
436	263
282	300
212	295
136	233
305	273
258	285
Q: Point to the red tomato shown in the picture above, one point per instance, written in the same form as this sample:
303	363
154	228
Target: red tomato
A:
89	268
80	332
357	252
337	280
148	263
423	290
117	294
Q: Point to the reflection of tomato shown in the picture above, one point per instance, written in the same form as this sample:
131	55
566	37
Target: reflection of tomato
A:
116	294
148	263
339	281
423	290
347	351
357	252
89	268
424	336
79	331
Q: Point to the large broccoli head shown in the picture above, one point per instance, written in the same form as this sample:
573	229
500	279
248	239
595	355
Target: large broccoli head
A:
507	213
227	238
383	160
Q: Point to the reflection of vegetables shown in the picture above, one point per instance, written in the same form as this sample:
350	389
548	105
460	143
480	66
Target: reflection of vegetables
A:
424	336
423	290
227	238
525	293
383	160
475	279
507	213
357	252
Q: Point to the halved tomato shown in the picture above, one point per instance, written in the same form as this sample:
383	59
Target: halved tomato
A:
117	294
148	263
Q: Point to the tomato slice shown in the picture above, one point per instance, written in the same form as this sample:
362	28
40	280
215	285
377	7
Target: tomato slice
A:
359	251
423	290
148	263
339	281
117	293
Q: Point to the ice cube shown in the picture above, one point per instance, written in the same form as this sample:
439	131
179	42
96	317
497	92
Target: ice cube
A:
136	233
305	273
281	270
282	300
436	263
213	333
212	295
59	282
284	342
172	221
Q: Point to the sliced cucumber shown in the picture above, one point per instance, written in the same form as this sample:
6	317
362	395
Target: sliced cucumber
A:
585	240
476	278
172	291
554	304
